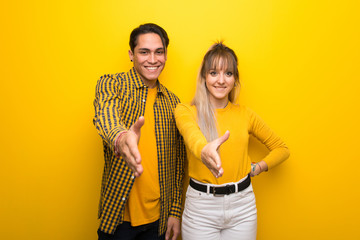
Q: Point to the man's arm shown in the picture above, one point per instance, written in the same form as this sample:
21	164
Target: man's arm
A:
107	106
175	210
109	125
173	226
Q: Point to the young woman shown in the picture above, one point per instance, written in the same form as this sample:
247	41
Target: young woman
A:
220	202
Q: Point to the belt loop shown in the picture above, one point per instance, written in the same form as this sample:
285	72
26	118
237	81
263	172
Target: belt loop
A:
207	189
236	187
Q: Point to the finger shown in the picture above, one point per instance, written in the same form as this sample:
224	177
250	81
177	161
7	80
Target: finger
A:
221	172
215	173
136	127
167	234
223	138
215	166
175	235
136	157
129	160
132	157
210	164
217	161
139	170
134	150
133	166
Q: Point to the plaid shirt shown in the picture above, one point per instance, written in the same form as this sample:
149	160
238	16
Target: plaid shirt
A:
119	102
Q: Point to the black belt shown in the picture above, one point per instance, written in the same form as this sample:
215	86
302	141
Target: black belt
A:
224	190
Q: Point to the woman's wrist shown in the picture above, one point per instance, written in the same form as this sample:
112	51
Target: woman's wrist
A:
259	165
263	166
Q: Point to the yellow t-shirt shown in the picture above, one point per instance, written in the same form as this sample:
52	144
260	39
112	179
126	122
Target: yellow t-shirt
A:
143	205
241	122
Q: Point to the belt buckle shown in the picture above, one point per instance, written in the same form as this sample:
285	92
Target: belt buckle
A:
217	194
228	191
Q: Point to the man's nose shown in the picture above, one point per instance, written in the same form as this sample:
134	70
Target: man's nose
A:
152	58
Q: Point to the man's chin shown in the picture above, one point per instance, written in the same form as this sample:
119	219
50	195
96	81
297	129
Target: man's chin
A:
152	77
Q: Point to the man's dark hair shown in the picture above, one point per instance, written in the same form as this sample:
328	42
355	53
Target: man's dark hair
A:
148	28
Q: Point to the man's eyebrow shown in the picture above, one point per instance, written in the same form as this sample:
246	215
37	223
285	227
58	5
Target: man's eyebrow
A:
147	49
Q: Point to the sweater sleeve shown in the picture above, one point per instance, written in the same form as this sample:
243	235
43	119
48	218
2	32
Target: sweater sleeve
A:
186	123
279	152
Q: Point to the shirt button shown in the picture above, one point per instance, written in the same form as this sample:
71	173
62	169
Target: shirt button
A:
123	199
143	100
132	177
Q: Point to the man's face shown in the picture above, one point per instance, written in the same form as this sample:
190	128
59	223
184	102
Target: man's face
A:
149	58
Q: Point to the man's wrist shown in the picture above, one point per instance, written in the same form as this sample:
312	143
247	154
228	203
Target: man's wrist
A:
175	216
117	140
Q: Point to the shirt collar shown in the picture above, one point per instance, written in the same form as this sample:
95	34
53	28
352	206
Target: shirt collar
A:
139	83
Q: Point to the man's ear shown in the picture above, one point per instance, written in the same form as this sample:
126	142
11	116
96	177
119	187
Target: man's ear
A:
131	55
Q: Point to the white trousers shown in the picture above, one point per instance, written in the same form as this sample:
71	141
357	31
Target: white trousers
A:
227	217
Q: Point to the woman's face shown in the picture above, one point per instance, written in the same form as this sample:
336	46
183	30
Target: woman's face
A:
219	84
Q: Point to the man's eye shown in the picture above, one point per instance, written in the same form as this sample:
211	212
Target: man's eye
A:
160	52
143	52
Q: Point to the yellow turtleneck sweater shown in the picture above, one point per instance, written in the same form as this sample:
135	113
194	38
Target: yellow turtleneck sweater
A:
241	122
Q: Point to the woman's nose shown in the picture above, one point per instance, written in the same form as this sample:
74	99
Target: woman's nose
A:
221	78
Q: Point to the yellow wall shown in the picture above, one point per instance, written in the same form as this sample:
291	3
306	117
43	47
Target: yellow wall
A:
299	65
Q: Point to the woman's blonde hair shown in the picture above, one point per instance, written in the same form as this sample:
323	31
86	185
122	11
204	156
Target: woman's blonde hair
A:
218	57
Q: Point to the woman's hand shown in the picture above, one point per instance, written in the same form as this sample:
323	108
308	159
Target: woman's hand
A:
210	155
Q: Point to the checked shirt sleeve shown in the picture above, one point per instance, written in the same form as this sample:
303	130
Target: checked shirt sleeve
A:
107	105
176	207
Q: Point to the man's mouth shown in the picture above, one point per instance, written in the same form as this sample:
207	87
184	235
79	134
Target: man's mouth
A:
152	68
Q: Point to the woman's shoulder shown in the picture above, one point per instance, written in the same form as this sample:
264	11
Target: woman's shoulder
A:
185	107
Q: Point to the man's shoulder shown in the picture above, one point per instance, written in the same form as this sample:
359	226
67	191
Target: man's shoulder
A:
119	75
169	94
114	79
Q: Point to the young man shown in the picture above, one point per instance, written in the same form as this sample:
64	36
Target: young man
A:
142	179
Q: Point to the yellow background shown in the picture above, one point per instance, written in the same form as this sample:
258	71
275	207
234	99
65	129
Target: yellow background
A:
299	65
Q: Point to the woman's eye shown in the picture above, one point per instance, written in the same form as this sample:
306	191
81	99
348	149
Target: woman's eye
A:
213	73
229	74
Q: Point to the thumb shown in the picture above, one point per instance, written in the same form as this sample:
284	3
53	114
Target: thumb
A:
136	127
223	138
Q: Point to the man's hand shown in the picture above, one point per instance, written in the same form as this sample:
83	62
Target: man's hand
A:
173	229
210	156
128	147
